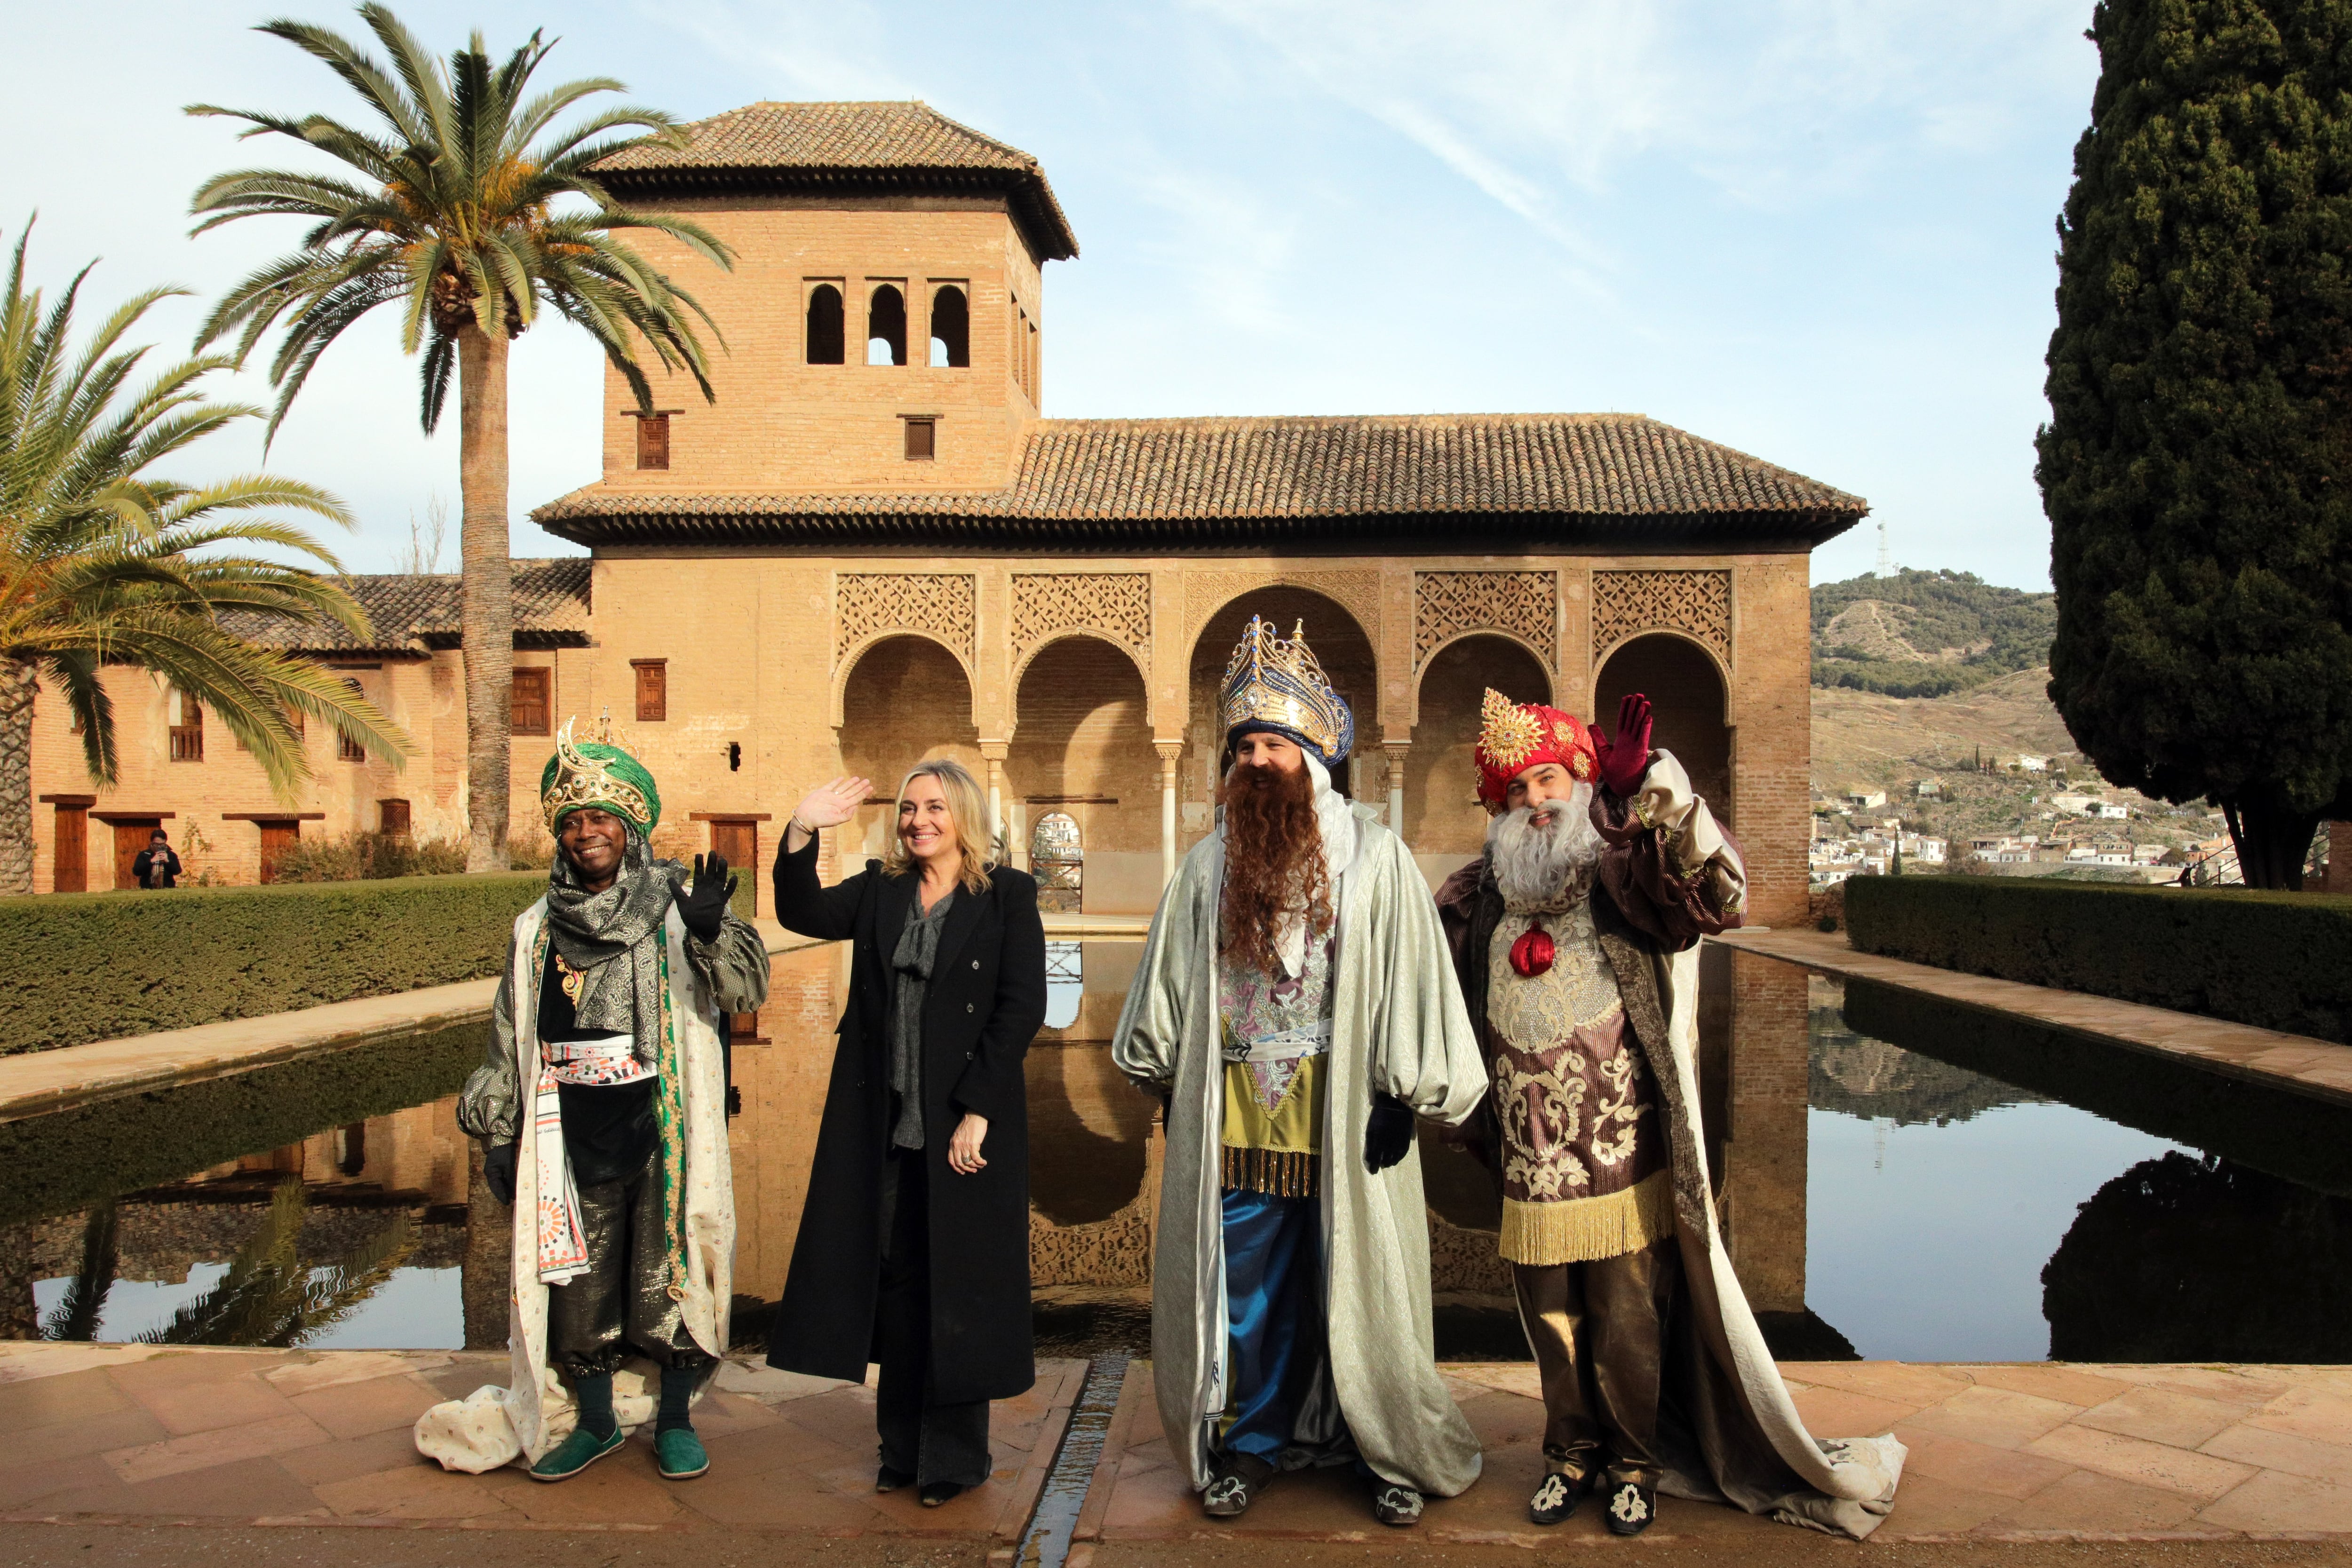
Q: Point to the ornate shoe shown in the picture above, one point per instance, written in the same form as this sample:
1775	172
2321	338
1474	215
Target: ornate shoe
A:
679	1454
1396	1505
937	1492
1632	1507
1557	1498
887	1479
1239	1479
579	1450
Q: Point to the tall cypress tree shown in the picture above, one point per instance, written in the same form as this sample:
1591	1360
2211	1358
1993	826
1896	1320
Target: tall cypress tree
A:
2197	468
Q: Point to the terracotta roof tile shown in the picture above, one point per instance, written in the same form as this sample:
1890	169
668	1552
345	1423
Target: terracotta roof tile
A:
838	144
1334	479
414	613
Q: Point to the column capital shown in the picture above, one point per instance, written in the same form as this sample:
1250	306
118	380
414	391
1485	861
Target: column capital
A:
995	750
1171	751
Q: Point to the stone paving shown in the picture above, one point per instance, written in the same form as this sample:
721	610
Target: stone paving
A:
2318	1067
143	1433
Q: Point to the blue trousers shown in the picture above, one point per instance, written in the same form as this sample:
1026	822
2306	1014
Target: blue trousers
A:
1273	1308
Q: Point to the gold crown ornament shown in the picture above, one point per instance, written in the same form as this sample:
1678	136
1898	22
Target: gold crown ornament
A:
1274	683
598	773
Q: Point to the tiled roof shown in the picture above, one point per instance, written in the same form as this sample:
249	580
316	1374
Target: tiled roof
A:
1231	481
414	613
846	144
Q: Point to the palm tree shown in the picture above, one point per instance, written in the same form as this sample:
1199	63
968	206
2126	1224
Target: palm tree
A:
96	562
464	217
271	1297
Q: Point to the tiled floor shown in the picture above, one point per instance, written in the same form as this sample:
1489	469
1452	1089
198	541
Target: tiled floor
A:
136	1433
2317	1067
1997	1453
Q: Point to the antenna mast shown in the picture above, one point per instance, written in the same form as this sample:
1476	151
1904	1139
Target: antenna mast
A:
1885	556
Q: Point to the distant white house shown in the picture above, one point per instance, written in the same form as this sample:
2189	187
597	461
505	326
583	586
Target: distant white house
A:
1929	789
2031	764
2110	811
2075	801
1863	798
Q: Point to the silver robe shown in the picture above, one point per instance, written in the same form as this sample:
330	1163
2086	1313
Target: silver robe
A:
1399	1028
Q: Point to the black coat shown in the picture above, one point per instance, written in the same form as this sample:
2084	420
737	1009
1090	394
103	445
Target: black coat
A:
983	1005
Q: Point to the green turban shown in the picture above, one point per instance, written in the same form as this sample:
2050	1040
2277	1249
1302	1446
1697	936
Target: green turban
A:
596	773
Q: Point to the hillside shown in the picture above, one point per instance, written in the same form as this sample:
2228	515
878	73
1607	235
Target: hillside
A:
1926	633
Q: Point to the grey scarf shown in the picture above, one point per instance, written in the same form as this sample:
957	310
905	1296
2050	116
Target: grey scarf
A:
911	963
605	936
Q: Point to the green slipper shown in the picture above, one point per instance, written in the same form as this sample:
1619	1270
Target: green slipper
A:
581	1449
678	1454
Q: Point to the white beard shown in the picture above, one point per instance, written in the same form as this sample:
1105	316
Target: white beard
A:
1546	863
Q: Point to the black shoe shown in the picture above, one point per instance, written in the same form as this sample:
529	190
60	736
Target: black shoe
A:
1239	1479
887	1479
937	1492
1632	1507
1557	1498
1396	1505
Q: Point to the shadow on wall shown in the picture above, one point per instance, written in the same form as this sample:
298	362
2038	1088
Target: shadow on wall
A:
1686	696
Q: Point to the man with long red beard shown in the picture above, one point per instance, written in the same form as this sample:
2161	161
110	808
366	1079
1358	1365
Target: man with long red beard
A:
1575	939
1296	1010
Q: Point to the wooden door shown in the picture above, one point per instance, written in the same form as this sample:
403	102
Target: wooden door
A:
739	843
71	872
130	838
277	838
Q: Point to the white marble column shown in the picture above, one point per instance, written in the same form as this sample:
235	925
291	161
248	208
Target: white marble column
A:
1171	751
1396	788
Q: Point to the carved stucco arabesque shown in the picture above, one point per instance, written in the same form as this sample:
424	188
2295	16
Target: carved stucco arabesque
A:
1524	604
944	605
1116	604
1695	603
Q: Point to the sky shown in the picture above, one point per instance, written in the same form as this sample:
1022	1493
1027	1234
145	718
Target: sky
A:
1818	231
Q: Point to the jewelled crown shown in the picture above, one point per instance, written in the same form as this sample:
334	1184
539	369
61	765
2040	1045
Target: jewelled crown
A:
1274	681
599	773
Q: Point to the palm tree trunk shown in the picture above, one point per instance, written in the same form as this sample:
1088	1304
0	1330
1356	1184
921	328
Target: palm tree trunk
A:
488	616
16	687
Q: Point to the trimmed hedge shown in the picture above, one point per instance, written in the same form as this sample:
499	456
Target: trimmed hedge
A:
2277	960
93	965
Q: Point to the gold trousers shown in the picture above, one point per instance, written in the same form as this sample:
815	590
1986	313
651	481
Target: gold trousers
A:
1598	1329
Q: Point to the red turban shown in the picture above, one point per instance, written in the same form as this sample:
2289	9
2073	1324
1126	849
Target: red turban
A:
1515	736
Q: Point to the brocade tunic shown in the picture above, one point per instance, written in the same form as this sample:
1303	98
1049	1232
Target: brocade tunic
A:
1275	1034
1584	1159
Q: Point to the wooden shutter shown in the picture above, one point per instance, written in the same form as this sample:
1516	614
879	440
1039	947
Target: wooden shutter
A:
277	838
653	690
652	440
532	704
70	873
391	817
922	440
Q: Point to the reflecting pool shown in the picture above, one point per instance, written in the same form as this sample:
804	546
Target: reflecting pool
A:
1898	1179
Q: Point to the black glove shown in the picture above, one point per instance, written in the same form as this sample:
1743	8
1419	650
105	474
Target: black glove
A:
1388	1136
499	1171
704	909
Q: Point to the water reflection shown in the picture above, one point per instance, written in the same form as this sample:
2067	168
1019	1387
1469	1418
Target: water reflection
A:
1892	1181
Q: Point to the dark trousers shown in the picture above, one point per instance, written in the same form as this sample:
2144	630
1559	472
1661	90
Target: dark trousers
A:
1273	1313
623	1299
1598	1329
920	1436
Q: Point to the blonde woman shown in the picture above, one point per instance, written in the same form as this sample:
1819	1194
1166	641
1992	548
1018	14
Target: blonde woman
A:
914	1243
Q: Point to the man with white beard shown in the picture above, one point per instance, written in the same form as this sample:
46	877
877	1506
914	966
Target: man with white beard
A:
1575	939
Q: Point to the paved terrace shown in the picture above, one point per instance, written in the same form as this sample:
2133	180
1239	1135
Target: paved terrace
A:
138	1434
2318	1068
33	1084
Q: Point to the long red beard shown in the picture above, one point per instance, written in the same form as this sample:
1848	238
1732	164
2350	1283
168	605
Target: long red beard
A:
1274	862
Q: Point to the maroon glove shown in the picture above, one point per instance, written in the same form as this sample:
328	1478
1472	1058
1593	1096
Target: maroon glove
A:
1625	758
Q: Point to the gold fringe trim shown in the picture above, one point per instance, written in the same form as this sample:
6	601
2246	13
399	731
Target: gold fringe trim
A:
1583	1229
1284	1173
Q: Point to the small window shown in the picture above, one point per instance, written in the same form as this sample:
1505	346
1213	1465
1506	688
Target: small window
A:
532	704
950	327
346	749
886	327
825	337
391	818
922	440
187	726
652	440
653	690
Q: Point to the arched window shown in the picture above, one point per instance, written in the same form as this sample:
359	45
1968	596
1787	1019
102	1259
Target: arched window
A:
886	327
824	334
1058	863
950	327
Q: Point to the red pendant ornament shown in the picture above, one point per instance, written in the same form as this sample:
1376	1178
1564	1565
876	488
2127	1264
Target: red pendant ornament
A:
1532	954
